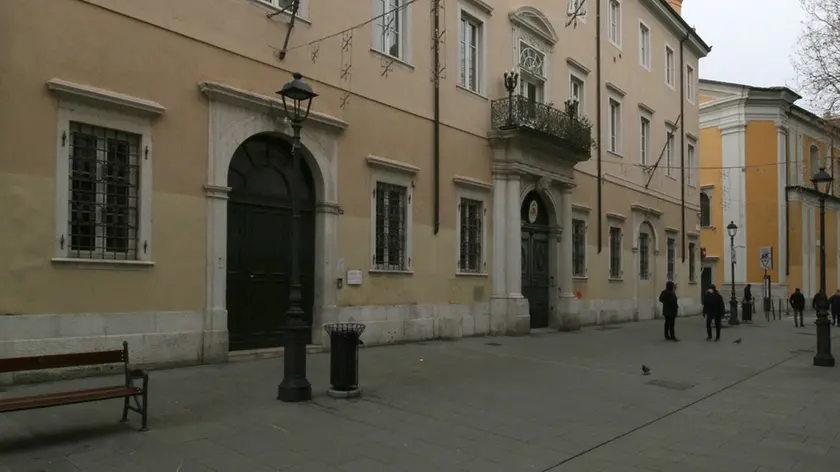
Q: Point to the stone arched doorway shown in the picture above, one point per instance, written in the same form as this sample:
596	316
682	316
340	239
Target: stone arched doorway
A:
261	178
536	254
647	264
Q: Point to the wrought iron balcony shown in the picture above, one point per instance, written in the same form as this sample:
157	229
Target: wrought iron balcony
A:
519	112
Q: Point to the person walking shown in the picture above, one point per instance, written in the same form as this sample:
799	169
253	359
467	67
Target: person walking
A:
797	302
670	308
713	309
747	305
834	303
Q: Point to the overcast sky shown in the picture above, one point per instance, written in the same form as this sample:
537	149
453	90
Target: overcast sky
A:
752	40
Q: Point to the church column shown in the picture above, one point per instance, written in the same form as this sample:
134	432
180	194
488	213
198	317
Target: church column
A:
779	253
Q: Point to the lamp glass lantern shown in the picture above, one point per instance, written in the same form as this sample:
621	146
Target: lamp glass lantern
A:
822	181
297	98
732	229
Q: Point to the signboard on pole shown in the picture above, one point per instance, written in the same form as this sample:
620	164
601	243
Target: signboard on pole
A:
765	257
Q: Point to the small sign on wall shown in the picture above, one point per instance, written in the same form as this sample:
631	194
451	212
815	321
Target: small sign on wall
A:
354	277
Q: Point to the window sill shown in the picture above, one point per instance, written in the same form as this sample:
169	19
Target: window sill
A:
101	263
671	86
471	92
389	57
472	274
670	177
615	44
285	14
692	185
580	277
388	271
690	282
647	68
615	153
613	279
707	227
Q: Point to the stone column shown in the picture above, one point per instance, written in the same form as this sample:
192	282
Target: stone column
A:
568	306
513	236
499	235
214	333
565	282
508	308
779	252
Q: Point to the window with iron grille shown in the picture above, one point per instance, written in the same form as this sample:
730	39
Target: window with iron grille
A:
672	258
692	267
104	191
472	219
391	215
644	256
578	248
615	253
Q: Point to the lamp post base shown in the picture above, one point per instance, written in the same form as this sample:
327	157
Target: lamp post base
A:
733	313
823	358
295	387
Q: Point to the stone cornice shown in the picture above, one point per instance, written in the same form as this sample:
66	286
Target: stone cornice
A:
86	93
255	101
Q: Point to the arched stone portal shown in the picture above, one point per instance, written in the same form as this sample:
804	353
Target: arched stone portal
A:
262	182
235	116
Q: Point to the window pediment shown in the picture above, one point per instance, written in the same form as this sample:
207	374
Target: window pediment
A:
535	22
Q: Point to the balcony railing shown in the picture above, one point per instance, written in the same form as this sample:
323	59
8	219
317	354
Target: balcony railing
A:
519	112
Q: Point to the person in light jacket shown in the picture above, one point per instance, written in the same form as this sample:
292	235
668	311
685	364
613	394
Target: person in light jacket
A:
670	308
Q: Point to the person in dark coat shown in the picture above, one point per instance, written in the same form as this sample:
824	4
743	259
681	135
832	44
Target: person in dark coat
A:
670	308
713	309
834	304
748	304
797	302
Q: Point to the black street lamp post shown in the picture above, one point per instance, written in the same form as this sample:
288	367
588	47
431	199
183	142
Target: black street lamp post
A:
732	229
297	100
822	184
511	82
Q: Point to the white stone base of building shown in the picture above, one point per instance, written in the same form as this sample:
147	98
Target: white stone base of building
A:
167	339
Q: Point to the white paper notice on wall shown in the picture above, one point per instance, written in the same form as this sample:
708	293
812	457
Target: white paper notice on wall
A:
354	277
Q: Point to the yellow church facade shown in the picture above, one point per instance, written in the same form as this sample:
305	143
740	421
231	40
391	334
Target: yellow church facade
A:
758	152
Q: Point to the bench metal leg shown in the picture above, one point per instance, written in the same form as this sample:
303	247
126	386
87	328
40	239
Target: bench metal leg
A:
125	410
145	409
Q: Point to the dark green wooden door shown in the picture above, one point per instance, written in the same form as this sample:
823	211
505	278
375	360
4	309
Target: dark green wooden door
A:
258	257
535	259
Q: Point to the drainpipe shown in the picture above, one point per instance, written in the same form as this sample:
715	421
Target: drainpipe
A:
682	141
436	121
598	113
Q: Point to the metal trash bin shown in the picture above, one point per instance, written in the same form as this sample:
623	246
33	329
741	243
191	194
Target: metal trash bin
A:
344	358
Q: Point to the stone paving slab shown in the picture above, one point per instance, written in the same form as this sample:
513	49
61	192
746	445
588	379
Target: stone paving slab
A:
546	402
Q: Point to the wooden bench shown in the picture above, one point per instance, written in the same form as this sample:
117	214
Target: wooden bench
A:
128	391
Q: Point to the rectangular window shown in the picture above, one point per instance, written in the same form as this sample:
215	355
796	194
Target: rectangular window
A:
104	190
644	256
579	248
615	126
644	46
391	216
689	83
669	66
669	153
672	258
645	139
286	6
692	165
388	27
470	52
615	22
472	222
692	266
577	93
615	253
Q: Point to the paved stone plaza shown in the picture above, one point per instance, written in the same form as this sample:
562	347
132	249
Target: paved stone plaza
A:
558	402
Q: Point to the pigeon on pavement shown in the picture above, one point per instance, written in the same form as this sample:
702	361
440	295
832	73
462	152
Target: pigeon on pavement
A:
645	370
737	341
